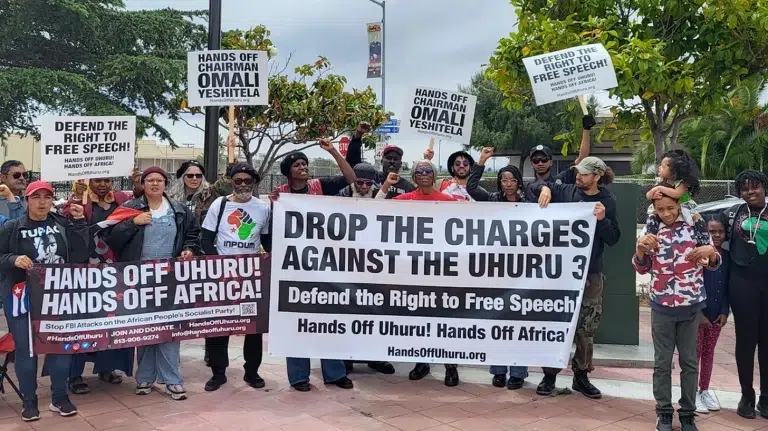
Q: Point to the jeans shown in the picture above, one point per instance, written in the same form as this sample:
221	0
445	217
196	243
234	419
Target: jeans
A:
519	372
298	370
26	366
670	332
160	363
217	354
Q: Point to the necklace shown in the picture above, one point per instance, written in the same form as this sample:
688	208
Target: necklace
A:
752	233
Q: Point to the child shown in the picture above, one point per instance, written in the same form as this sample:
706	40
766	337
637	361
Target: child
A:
673	257
678	168
715	317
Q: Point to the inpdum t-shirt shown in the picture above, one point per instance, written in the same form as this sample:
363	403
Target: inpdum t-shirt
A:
241	225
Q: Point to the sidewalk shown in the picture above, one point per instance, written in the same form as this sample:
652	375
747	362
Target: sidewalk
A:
381	403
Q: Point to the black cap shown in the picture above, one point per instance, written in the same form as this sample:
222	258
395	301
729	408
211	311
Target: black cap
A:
541	149
186	165
244	168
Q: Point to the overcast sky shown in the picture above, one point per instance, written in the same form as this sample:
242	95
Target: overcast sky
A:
435	43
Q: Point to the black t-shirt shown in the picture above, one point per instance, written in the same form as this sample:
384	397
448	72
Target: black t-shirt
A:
43	242
568	176
100	214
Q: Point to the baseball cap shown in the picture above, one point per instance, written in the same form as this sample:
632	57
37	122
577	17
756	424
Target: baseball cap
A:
244	168
392	147
36	186
541	149
591	165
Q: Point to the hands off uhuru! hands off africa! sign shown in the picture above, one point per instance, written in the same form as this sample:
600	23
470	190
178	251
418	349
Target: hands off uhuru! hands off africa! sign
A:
441	113
571	72
87	147
217	78
456	285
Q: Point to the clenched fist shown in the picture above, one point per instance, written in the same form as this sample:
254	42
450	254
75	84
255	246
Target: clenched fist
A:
76	211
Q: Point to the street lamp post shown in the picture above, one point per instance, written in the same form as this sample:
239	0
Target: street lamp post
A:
211	154
382	5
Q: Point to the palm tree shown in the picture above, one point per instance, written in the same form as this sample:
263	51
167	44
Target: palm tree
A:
733	138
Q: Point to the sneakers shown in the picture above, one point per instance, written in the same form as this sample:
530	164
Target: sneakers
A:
499	380
688	423
176	392
582	384
700	406
144	388
63	407
29	411
215	382
547	385
451	377
710	401
664	422
746	407
515	383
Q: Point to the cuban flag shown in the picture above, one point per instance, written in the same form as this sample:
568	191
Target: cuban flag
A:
19	299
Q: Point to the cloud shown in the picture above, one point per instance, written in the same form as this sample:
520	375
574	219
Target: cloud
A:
434	43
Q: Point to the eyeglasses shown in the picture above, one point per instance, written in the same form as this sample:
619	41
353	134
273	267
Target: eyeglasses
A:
364	182
460	163
17	175
512	181
241	181
537	160
424	171
194	176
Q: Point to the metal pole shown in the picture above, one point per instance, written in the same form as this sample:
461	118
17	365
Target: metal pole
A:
383	56
211	152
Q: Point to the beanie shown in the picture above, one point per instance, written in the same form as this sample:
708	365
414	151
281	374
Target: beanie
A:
289	160
154	170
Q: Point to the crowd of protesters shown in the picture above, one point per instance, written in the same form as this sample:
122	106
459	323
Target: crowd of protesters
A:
695	281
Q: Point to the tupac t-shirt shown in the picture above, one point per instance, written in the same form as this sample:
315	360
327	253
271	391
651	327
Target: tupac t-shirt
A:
241	225
43	242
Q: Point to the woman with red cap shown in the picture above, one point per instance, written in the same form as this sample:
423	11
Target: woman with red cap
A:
165	229
39	237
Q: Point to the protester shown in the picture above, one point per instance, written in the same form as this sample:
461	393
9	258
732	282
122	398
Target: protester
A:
716	313
165	229
235	225
13	181
391	161
460	164
193	190
101	201
677	167
674	257
591	175
294	166
508	182
364	187
39	237
748	292
424	176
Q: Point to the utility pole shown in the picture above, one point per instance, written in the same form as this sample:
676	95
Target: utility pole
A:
211	152
382	5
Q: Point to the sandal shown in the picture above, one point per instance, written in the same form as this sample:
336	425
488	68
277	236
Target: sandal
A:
78	386
111	377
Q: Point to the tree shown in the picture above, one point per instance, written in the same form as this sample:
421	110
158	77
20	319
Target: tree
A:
301	110
92	57
674	60
731	139
520	130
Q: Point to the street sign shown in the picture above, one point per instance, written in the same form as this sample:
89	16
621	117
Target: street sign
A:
343	145
390	130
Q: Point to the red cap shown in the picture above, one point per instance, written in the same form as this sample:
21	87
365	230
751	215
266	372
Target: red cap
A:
37	186
392	147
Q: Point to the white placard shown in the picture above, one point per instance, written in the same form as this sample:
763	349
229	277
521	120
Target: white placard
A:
440	113
222	78
569	73
75	148
481	283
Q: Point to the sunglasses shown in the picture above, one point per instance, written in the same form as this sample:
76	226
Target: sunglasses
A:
194	176
364	182
459	164
17	175
424	171
241	181
537	160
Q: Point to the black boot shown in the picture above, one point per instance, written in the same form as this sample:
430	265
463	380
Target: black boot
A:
762	406
216	381
349	366
382	367
499	380
582	384
419	372
547	385
451	377
746	407
515	383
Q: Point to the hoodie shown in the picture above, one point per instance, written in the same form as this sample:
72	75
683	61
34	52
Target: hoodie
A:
607	231
480	194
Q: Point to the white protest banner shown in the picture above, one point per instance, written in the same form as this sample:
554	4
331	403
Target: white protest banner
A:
75	148
460	283
441	113
216	78
571	72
